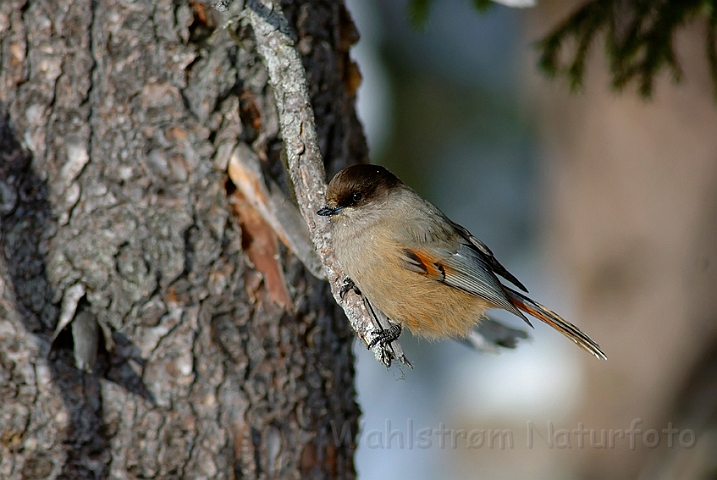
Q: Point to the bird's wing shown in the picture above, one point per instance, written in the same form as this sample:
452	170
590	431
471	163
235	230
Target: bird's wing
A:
445	251
487	256
463	268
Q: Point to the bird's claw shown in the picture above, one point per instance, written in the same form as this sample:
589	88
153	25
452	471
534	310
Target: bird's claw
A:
386	336
347	286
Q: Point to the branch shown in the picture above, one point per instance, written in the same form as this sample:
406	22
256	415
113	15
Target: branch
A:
304	161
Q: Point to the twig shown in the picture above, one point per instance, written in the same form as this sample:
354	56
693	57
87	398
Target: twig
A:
305	164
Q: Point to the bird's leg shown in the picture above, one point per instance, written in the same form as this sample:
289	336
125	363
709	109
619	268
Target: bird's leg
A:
348	285
385	336
387	332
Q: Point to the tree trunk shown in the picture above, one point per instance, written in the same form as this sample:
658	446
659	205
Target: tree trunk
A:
116	123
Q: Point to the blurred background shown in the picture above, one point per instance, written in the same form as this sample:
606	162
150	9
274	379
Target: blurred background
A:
603	204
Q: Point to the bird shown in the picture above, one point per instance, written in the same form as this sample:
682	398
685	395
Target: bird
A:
419	268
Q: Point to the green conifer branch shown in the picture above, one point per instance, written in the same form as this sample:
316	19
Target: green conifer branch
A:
639	40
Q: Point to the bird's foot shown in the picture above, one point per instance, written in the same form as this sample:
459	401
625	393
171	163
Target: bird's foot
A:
347	286
385	336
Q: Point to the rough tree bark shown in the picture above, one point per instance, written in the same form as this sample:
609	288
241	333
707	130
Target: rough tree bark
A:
116	123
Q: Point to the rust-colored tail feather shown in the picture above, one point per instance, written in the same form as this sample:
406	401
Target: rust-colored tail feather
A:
543	314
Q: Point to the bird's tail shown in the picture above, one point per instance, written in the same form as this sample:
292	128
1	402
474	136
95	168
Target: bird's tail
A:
538	311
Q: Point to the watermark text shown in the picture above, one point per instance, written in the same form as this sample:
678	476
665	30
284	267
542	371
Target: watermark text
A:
410	436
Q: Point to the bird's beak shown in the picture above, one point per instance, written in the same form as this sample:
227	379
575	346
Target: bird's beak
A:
327	211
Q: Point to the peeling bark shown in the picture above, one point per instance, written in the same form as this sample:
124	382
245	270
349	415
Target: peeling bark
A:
116	122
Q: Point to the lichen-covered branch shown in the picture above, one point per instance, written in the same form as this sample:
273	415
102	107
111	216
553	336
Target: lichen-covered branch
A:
304	161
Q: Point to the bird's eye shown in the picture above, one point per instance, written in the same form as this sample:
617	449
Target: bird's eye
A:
356	197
